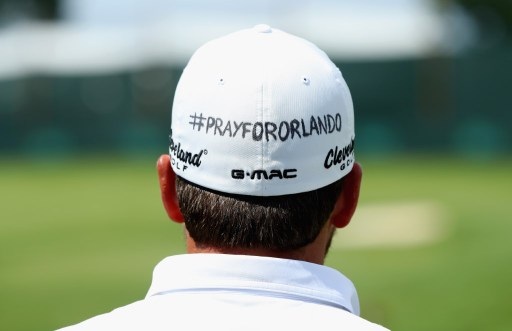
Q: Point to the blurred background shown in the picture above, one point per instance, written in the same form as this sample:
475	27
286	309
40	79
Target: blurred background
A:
86	89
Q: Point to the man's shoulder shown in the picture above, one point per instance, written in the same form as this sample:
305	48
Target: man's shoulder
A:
122	318
354	322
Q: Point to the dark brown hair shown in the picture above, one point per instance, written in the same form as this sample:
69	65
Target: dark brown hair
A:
280	223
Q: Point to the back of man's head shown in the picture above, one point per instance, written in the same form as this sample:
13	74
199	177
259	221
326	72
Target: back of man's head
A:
262	136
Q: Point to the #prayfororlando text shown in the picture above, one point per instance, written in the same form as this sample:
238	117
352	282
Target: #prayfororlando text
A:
284	130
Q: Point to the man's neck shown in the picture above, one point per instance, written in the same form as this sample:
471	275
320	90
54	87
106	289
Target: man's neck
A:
314	252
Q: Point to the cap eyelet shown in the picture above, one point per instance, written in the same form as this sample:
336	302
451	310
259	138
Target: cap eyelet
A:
305	80
221	81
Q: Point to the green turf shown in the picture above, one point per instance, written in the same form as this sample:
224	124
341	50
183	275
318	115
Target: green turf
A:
81	237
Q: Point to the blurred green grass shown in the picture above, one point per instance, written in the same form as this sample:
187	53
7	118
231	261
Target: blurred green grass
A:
80	237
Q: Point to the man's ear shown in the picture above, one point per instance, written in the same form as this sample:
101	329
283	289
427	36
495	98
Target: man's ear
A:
167	179
346	203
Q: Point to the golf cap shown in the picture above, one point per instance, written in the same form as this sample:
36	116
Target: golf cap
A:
261	112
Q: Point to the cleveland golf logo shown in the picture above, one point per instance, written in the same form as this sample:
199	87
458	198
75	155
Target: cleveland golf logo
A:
187	158
338	155
264	174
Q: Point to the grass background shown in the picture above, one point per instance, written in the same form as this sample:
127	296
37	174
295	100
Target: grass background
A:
79	237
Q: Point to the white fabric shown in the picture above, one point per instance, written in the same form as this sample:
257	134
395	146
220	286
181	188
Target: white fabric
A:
234	292
262	112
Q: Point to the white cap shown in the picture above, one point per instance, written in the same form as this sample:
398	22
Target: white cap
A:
262	112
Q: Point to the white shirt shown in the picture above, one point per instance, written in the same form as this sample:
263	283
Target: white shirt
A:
238	292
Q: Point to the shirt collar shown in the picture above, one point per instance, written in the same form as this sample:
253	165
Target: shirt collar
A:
288	278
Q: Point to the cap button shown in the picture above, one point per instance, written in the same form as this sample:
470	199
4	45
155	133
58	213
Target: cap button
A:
262	28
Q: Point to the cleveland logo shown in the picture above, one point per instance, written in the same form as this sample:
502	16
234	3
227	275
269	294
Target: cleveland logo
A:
264	174
186	157
338	155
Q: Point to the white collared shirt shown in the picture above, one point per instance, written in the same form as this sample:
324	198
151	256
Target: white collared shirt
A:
238	292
